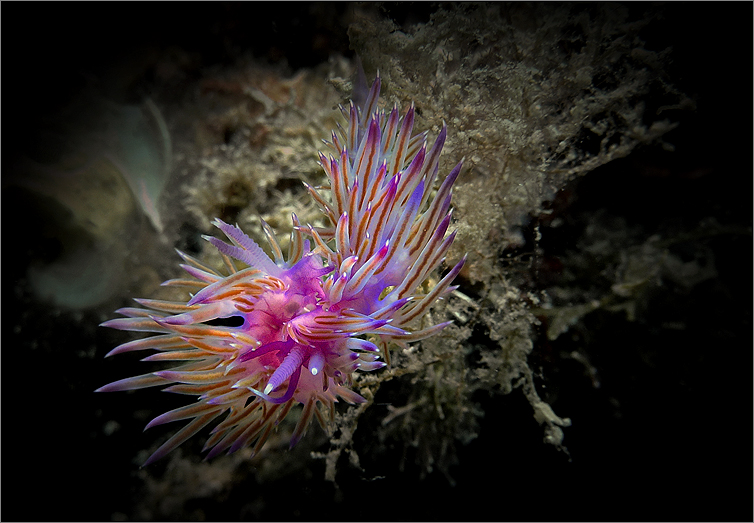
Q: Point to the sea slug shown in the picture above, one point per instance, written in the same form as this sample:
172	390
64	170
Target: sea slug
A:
306	322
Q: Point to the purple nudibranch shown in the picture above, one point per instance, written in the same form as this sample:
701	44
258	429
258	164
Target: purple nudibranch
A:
308	321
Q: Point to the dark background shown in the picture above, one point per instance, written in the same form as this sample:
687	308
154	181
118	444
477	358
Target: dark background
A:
681	448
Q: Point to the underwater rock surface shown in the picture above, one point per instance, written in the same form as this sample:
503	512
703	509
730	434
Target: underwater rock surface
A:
606	275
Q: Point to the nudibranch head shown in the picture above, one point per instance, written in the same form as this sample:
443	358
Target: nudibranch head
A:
303	324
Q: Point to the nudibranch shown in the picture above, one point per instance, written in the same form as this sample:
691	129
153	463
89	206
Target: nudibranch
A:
303	324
